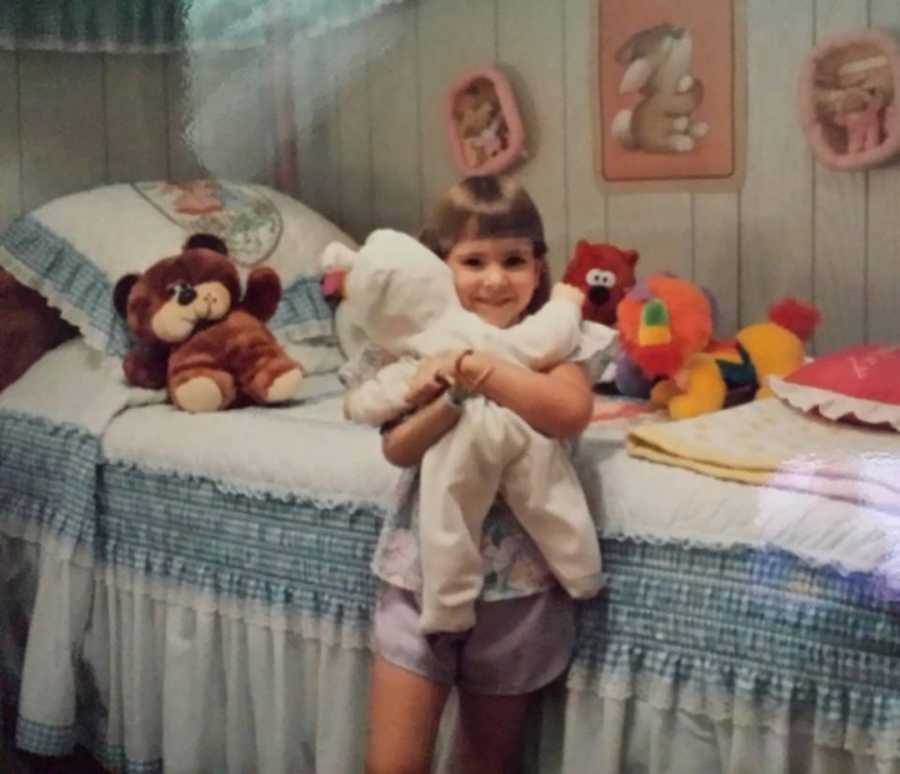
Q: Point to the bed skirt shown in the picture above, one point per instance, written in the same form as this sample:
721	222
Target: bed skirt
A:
139	674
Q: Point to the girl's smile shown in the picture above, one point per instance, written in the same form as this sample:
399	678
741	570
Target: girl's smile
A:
495	278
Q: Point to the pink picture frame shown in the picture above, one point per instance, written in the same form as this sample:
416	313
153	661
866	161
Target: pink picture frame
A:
847	99
484	126
671	95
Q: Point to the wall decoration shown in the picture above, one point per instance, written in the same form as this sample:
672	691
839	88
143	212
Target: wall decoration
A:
671	95
847	99
484	127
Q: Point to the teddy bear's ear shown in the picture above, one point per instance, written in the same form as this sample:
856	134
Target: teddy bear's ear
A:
209	241
631	257
263	293
121	291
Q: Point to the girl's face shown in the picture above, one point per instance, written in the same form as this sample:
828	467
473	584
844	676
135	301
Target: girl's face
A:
495	278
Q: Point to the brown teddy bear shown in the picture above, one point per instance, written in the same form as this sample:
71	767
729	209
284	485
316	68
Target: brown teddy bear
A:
196	336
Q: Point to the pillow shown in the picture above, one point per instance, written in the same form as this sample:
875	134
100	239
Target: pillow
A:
73	249
860	384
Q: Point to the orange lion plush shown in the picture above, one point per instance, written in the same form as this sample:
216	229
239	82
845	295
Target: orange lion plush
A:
198	338
604	273
665	328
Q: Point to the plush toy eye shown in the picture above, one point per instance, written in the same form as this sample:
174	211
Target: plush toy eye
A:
175	289
182	293
601	278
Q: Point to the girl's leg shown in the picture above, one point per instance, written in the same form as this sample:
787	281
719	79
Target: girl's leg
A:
404	713
491	733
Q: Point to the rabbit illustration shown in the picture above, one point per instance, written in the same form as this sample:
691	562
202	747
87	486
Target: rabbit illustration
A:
658	64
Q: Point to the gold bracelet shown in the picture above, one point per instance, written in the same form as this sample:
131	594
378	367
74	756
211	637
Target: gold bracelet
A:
457	364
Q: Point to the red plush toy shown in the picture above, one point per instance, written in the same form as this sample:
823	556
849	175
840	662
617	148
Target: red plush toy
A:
605	274
196	335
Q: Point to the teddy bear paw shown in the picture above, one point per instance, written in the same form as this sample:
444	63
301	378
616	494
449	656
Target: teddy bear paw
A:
199	395
285	386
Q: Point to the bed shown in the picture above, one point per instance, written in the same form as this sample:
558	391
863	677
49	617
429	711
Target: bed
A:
192	593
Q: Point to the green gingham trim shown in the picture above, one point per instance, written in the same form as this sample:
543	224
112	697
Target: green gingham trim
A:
303	312
41	259
113	757
41	739
292	553
747	625
48	475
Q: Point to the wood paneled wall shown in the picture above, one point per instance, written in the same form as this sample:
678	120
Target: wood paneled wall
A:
373	151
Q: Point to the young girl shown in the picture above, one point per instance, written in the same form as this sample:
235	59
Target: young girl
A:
490	234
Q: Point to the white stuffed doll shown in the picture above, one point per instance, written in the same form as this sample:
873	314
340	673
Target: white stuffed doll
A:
404	298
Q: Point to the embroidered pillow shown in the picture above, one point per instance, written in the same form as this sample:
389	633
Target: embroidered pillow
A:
860	384
73	249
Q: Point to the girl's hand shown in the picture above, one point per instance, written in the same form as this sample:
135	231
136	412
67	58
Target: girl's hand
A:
433	377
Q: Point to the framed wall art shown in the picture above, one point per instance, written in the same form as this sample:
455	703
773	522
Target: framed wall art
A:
671	95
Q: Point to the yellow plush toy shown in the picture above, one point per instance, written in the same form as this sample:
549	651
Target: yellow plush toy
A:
665	328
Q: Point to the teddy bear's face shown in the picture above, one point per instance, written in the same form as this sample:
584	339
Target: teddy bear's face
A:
175	296
604	273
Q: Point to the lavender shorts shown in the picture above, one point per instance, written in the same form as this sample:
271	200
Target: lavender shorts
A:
517	645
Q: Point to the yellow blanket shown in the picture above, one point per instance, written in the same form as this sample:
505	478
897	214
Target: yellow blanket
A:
768	443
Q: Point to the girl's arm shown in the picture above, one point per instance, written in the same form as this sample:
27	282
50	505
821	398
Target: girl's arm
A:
405	444
557	402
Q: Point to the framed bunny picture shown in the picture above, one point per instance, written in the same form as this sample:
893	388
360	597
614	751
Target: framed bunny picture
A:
671	95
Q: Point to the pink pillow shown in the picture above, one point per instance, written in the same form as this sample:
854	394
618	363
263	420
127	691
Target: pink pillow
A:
483	123
860	384
847	99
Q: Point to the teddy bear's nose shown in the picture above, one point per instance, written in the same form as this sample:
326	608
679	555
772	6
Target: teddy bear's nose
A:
186	295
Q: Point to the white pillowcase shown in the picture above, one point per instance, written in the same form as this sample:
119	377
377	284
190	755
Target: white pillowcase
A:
73	249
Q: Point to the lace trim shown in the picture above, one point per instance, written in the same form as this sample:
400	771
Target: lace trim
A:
748	706
47	263
834	405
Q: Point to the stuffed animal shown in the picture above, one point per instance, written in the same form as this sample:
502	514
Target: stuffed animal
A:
408	305
604	273
665	328
197	337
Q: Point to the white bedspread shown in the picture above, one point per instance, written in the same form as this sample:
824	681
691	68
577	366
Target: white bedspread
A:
649	501
294	448
274	450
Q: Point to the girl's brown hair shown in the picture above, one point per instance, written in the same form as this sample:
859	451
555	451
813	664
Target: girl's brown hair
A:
489	207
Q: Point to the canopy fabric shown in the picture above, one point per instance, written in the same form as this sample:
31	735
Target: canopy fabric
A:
158	26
